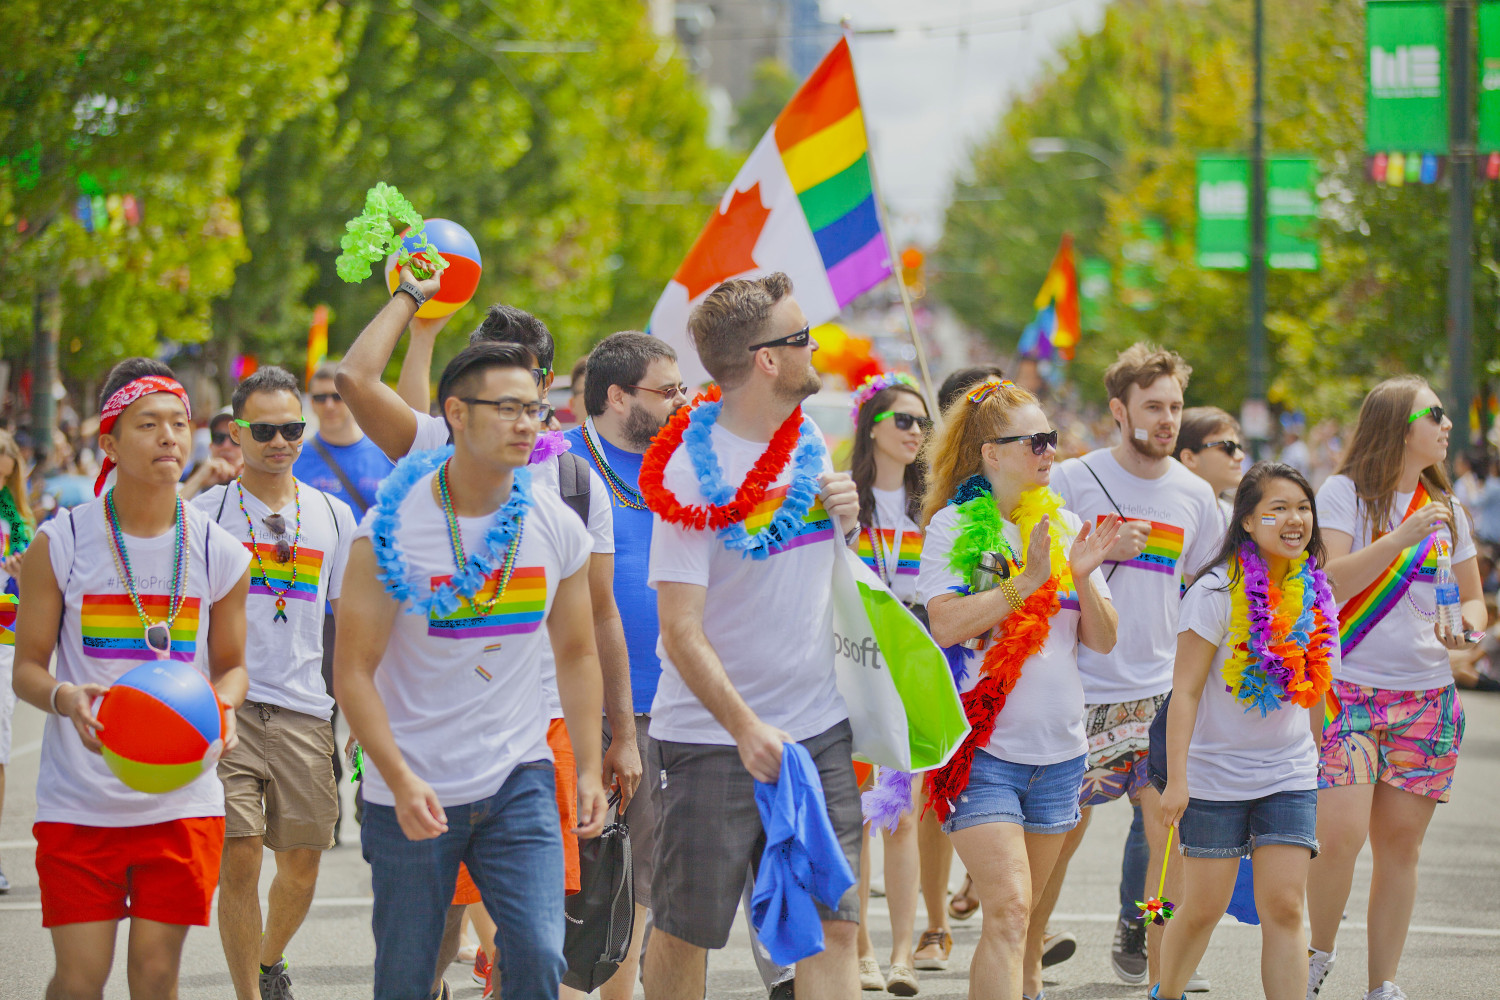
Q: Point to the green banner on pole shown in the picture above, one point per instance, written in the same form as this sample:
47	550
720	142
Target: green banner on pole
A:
1093	292
1407	95
1224	213
1488	140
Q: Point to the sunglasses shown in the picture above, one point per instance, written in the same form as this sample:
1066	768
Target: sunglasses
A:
1231	448
511	409
326	397
277	525
905	421
1040	441
665	393
267	432
222	437
798	339
539	374
1435	412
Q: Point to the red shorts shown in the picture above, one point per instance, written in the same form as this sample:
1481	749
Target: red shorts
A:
466	891
566	768
164	872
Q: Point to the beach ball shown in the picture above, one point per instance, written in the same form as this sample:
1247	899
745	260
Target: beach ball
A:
161	726
461	278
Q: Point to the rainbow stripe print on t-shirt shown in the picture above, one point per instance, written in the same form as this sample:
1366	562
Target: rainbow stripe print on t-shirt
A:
279	574
1162	552
1069	601
518	611
8	606
113	631
910	559
815	527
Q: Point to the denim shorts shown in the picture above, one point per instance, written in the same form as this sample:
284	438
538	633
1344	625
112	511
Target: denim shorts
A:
1234	829
1040	798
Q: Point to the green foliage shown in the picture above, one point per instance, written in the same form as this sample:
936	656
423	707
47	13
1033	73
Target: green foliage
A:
771	86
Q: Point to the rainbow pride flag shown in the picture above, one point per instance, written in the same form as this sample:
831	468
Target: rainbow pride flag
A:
8	607
112	630
1055	331
518	611
803	203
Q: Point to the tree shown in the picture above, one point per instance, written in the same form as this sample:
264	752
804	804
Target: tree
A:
771	87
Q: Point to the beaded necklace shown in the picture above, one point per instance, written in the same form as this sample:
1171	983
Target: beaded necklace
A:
158	634
280	615
623	493
455	539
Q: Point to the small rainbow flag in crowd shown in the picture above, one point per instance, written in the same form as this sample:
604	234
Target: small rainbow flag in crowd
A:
803	203
317	342
1053	335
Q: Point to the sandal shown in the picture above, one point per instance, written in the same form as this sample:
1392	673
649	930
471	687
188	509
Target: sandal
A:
943	942
970	905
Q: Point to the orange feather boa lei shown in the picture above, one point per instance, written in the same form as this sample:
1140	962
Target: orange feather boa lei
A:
1021	635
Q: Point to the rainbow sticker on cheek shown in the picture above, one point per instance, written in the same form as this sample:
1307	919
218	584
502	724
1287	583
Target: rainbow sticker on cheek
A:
1269	520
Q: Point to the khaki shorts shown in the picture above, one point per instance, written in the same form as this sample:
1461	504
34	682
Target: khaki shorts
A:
278	782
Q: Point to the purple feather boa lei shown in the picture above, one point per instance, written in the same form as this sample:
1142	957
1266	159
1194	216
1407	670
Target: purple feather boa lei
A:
887	800
549	444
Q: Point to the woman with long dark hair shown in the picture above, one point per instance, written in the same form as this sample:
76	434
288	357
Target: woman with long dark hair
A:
1255	655
890	427
1391	523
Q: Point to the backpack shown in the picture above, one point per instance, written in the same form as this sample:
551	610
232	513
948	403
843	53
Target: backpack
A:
573	483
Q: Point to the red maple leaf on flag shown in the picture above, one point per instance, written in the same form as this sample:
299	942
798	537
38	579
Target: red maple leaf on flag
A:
725	246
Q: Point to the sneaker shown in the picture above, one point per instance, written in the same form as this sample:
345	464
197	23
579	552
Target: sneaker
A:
276	983
1058	948
1128	957
481	967
869	975
1197	983
943	942
1318	964
784	990
1386	991
901	982
489	982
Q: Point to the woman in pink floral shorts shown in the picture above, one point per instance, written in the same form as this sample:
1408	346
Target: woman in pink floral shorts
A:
1394	721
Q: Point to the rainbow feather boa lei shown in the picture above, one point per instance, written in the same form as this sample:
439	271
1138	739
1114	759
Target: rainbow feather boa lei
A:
1280	639
981	529
504	530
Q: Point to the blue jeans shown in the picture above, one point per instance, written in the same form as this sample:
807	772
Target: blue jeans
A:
1133	866
1039	798
513	848
1212	829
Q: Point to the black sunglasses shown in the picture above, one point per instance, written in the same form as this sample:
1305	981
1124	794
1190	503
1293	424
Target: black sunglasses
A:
1231	448
1435	412
266	432
539	374
904	421
798	339
326	397
221	437
1040	441
667	393
277	525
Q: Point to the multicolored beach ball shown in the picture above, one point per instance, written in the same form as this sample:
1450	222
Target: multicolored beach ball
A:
460	280
162	726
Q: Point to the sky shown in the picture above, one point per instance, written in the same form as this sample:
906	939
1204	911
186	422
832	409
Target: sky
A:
939	84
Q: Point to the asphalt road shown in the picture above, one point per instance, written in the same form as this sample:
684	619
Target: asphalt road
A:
1453	952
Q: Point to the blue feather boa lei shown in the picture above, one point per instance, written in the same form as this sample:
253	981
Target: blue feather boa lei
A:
807	465
504	531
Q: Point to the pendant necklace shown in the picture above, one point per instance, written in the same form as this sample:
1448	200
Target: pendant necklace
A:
158	633
280	615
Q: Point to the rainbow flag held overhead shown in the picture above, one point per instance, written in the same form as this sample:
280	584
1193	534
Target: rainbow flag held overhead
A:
317	342
1053	335
802	203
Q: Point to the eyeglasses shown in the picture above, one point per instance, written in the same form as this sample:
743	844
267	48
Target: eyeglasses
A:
277	525
904	421
1231	448
264	433
798	339
222	438
1040	441
326	397
1435	412
665	393
511	409
539	374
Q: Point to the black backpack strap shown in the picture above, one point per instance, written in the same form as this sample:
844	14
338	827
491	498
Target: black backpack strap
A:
343	477
332	516
1110	575
222	501
573	483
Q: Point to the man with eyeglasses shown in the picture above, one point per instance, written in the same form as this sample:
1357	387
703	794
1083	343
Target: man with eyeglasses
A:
1171	530
279	786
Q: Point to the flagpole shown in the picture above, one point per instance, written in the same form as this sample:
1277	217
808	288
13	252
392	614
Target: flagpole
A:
890	247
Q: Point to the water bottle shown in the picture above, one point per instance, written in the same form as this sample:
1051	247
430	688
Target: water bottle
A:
1449	606
989	571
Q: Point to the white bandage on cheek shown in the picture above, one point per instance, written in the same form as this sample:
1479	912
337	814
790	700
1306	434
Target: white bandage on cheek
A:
1140	434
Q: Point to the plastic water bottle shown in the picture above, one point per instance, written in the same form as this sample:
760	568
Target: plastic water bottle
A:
1449	610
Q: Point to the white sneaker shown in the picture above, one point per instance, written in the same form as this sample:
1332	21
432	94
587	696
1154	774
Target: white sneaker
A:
1197	983
1386	991
1318	964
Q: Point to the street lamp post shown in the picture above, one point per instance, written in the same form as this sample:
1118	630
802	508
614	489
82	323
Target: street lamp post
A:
1257	397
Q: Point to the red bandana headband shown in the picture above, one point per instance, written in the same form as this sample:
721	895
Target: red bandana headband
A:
122	398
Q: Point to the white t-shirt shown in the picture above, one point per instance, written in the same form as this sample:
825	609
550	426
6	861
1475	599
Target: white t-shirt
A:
464	691
432	432
1236	755
770	620
101	637
899	540
1400	653
1186	529
1042	722
285	659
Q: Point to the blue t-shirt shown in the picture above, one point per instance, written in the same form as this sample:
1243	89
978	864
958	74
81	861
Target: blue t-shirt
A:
363	463
637	602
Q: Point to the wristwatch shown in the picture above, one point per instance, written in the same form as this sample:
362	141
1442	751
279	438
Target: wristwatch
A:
410	288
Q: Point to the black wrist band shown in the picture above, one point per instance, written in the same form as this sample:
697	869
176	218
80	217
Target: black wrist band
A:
410	288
